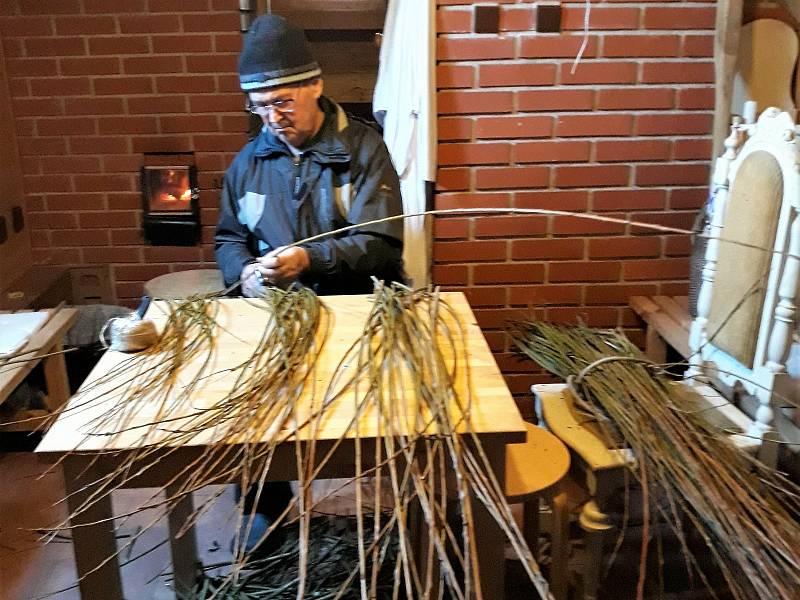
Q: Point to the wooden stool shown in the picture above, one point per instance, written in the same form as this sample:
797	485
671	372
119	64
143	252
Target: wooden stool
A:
183	284
534	470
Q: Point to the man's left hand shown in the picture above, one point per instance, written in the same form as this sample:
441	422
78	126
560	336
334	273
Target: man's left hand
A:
284	265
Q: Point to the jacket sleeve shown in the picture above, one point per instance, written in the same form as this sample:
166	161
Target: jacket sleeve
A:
374	249
231	241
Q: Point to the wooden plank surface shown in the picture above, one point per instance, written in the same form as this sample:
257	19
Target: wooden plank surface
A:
675	332
241	324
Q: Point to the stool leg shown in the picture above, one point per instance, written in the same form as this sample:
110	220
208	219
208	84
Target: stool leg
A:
595	524
530	525
559	546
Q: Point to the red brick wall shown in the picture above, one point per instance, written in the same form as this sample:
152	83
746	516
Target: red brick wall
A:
626	135
95	84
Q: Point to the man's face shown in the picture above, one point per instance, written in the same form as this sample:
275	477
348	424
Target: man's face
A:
291	112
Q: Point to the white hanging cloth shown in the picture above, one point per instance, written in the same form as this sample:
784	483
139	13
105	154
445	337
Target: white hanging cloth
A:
404	104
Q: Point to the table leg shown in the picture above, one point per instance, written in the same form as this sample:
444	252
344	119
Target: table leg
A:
95	546
596	524
55	376
559	546
184	547
490	538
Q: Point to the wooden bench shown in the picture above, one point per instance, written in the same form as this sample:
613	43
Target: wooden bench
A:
668	323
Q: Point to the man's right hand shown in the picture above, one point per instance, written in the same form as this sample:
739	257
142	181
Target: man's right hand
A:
251	282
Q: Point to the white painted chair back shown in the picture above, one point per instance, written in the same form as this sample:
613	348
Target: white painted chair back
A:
760	367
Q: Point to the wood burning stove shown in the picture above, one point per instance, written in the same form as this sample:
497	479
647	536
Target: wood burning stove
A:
171	213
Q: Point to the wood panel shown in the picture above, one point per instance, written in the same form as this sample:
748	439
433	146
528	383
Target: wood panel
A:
15	251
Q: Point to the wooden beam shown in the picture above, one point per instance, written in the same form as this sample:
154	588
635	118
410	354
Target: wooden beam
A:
726	49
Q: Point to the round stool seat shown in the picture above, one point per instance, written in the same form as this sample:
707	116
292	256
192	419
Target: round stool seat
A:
182	284
535	465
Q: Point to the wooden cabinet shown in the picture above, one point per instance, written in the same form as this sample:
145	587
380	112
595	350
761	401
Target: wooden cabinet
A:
15	244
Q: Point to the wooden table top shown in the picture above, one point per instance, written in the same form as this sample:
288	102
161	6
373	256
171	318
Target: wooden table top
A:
241	324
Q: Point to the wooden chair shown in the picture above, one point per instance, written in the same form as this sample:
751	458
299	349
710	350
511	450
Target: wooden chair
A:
534	471
746	306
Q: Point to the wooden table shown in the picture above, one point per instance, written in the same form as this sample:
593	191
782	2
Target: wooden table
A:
47	340
495	419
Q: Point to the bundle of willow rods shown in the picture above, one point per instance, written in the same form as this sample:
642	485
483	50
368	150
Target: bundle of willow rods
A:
407	378
746	513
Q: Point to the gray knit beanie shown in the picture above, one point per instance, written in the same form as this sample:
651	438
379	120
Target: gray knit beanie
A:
275	53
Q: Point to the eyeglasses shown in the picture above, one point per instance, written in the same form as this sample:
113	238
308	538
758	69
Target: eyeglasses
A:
282	107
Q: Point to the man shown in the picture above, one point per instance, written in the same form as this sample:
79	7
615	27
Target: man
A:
311	170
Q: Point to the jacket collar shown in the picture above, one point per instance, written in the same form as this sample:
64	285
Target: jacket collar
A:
329	145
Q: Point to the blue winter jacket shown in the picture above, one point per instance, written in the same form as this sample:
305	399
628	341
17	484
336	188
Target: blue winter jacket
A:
344	176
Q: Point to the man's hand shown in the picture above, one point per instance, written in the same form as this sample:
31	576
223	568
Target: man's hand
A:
252	286
284	265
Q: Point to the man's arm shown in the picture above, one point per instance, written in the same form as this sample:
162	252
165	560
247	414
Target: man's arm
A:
231	239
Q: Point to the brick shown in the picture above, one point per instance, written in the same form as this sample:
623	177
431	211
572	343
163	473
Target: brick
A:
121	163
63	86
128	44
30	107
188	123
624	247
473	200
599	72
139	272
182	5
513	177
480	251
570	200
559	100
455	128
551	151
617	293
527	74
645	45
543	295
217	143
678	72
54	46
170	254
125	200
223	42
109	219
584	271
449	274
577	225
152	64
671	174
109	125
98	145
698	45
90	66
72	164
452	179
455	76
665	268
190	84
53	220
94	106
103	183
451	228
593	125
692	149
508	273
674	219
486	296
118	7
474	48
85	25
42	146
632	150
634	98
508	226
556	46
499	318
82	237
474	154
65	126
696	98
75	202
548	249
513	127
31	67
47	183
210	63
464	102
592	176
214	103
15	25
157	105
453	20
237	124
228	83
677	245
222	21
673	124
601	18
690	198
591	316
149	23
123	86
678	17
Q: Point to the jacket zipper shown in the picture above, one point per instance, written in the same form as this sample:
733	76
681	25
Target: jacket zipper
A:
297	181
